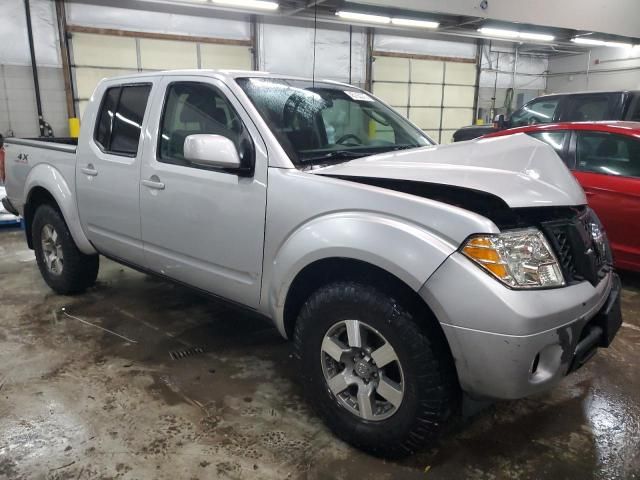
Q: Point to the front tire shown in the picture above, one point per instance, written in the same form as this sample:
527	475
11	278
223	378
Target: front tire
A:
64	268
379	380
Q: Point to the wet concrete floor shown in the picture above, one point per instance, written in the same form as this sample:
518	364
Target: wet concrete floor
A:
81	402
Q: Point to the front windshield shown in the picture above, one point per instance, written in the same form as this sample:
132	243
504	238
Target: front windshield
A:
322	122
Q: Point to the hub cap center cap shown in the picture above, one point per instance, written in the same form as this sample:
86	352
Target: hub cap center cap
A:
363	369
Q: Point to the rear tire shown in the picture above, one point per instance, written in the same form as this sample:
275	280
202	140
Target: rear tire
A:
64	268
426	390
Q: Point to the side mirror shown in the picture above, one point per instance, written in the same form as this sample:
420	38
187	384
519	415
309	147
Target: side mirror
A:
499	121
211	151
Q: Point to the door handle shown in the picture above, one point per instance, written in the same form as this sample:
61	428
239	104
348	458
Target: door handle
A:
153	184
589	194
89	170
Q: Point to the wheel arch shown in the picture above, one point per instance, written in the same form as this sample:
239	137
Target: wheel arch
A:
46	185
358	241
327	270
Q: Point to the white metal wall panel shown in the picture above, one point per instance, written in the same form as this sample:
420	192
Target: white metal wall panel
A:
428	71
425	95
153	21
425	46
289	49
14	48
460	73
456	96
167	54
391	69
236	57
437	94
97	56
425	118
395	94
454	118
88	78
104	51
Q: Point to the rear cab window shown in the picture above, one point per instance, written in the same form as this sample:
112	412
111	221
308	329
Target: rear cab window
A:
120	118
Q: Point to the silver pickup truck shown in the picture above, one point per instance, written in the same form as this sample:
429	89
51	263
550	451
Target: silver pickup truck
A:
407	274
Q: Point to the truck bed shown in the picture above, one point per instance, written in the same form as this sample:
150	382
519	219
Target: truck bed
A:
29	160
64	144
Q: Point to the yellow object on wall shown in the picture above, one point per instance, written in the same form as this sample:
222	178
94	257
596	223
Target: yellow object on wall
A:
74	127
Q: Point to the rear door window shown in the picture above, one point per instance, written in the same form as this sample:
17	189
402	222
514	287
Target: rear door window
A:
608	154
105	119
541	110
120	119
593	107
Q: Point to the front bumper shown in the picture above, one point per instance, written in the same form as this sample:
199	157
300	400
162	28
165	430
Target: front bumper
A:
512	343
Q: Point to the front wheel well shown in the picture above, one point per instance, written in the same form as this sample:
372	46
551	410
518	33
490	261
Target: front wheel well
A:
37	196
325	271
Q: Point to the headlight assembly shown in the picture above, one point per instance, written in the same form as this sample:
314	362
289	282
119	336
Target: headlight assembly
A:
518	258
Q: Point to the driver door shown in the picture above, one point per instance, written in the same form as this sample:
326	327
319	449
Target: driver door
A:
200	225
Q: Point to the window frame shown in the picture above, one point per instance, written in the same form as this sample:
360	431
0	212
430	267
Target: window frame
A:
600	132
242	171
120	87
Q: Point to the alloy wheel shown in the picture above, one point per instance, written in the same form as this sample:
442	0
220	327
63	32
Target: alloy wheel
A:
362	370
52	250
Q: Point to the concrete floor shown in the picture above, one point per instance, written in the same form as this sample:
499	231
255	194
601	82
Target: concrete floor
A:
77	401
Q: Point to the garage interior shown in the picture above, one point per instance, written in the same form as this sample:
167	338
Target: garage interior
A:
141	378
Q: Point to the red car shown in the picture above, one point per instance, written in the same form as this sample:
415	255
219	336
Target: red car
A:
605	158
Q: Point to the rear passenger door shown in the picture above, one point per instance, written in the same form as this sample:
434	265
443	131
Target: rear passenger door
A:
108	172
608	168
200	225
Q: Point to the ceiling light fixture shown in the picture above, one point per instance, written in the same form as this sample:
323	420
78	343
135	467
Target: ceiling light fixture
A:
255	4
513	34
496	32
536	36
600	43
363	17
409	22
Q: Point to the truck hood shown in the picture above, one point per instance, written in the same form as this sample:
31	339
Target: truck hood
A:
521	171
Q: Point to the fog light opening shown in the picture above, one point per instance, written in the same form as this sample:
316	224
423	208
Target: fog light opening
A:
534	366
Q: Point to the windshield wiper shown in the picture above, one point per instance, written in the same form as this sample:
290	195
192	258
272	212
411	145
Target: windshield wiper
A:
335	156
339	156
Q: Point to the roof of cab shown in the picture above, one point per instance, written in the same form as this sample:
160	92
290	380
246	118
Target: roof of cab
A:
229	74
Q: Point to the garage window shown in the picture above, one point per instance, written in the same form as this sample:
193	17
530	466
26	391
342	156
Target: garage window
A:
120	119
